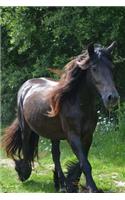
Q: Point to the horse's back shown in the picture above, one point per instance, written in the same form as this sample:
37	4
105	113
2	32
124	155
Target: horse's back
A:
35	85
34	95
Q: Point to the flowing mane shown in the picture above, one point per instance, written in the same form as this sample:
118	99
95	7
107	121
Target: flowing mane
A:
68	83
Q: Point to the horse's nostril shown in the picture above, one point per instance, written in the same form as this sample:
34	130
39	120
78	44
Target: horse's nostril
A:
110	97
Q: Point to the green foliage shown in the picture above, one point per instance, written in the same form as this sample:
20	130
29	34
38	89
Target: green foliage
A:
35	38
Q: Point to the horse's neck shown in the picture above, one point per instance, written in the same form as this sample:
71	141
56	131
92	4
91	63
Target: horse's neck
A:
86	94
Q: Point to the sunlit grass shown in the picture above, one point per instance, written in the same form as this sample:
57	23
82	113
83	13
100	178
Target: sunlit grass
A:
108	170
107	157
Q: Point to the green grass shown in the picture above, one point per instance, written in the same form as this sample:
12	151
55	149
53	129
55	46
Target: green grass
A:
107	157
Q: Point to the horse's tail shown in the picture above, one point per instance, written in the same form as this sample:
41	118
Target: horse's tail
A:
13	144
12	141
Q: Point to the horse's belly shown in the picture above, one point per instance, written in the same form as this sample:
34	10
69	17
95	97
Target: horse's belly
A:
35	114
48	127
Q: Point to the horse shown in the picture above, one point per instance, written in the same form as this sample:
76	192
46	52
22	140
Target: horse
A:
63	110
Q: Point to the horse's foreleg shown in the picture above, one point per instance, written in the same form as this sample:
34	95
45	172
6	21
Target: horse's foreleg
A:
73	178
59	178
79	150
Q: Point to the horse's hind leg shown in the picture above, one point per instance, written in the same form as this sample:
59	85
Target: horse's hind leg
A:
29	151
59	178
23	166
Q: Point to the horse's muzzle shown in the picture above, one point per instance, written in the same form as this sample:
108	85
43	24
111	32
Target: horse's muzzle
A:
111	100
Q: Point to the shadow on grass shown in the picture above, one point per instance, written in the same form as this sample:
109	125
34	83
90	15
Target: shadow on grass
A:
39	186
36	186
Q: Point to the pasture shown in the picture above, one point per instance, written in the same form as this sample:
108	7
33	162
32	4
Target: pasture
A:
106	156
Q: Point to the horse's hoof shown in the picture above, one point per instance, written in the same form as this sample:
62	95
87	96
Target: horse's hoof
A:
23	169
97	191
72	190
86	189
62	190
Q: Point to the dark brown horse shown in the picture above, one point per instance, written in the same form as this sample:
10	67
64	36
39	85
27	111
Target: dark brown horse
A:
62	110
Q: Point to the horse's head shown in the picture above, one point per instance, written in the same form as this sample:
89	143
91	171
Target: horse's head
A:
100	73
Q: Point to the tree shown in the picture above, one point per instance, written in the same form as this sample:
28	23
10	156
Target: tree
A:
35	38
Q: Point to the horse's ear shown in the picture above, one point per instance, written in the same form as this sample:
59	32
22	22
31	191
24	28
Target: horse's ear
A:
91	49
111	47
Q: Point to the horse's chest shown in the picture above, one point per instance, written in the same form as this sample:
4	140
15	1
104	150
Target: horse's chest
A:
88	121
88	126
80	120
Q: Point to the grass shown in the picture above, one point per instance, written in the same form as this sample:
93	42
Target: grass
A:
107	157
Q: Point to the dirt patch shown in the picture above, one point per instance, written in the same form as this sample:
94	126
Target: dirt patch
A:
10	163
120	183
6	163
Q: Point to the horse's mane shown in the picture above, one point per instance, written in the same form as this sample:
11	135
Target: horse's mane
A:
68	83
